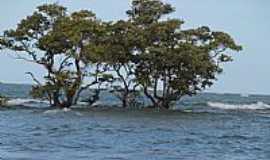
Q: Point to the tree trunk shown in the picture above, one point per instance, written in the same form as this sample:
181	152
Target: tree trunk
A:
149	96
165	104
64	104
124	102
94	98
55	100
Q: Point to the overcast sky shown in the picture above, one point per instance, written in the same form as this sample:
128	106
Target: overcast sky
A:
248	21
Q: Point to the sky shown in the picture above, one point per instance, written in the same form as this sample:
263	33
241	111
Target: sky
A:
247	21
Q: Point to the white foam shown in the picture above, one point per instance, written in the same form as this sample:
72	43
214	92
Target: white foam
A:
60	111
55	111
254	106
66	109
52	111
82	104
85	104
21	101
244	95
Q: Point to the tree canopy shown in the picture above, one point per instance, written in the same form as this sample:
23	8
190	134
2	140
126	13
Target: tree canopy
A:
60	42
148	52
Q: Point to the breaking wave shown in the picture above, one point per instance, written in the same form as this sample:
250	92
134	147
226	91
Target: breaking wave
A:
54	111
217	105
253	106
26	102
29	102
63	111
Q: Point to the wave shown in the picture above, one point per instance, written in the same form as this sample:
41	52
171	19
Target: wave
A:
26	102
54	111
29	102
253	106
62	111
244	95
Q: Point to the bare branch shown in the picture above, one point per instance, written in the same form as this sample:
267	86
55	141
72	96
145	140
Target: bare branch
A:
34	78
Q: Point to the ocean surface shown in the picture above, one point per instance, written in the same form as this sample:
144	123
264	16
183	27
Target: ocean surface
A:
206	127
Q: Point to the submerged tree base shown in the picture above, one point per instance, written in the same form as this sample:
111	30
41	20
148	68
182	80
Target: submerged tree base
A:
147	52
3	101
103	107
118	109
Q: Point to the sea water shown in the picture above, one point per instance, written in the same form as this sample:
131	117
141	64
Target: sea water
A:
207	127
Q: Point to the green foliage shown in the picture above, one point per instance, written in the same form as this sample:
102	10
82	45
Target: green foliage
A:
119	58
175	62
147	52
52	10
59	42
148	11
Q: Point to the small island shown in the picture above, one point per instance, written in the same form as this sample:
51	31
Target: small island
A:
146	54
134	80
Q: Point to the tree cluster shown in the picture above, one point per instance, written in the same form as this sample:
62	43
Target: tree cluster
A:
148	53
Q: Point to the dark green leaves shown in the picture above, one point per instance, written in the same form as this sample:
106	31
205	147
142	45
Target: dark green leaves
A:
146	52
145	12
52	10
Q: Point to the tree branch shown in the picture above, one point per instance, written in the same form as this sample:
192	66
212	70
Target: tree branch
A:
34	78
